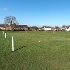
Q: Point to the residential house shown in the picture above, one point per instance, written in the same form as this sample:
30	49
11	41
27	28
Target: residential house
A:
2	26
34	28
40	29
67	28
47	28
21	27
63	28
57	28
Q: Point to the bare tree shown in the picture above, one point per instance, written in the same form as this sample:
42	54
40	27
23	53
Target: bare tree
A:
10	22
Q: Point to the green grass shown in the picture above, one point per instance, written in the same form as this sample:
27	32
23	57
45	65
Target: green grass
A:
51	53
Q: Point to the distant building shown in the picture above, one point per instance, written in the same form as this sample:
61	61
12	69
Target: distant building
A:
2	26
57	28
34	28
21	27
47	28
67	28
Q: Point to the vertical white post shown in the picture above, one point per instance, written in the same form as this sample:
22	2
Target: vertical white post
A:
12	44
3	32
5	35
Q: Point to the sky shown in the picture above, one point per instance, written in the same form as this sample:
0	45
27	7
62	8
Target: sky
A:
37	12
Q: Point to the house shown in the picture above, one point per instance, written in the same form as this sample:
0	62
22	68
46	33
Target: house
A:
2	26
40	29
57	28
21	27
34	28
47	28
67	28
63	28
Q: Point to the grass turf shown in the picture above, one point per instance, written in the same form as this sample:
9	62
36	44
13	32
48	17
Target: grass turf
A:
51	53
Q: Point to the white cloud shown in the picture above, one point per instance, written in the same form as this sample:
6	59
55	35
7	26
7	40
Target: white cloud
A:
4	9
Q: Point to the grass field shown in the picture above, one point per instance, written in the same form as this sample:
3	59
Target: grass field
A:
38	50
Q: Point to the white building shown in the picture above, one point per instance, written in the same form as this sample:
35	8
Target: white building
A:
67	29
47	28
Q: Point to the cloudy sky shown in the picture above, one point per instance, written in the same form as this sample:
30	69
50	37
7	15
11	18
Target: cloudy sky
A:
37	12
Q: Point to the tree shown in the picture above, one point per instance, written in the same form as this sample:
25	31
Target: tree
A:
10	22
